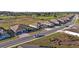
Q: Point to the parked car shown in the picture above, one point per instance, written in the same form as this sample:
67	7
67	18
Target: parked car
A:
38	35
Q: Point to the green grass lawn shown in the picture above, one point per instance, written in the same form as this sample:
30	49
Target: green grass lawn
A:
45	18
6	17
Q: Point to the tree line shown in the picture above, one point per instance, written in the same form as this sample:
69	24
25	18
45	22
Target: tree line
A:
8	13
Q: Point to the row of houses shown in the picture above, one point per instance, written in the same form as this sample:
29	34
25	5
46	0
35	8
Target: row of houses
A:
22	28
18	29
14	30
52	23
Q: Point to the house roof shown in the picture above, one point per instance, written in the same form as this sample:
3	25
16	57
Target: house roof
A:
61	20
18	27
65	18
47	23
55	22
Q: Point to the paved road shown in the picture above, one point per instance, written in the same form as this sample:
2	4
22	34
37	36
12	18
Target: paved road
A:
26	39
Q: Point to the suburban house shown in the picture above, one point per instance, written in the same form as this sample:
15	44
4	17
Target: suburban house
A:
55	22
61	21
65	19
70	17
3	34
40	25
22	28
49	24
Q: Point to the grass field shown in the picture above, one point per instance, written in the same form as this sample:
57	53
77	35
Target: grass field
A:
45	41
6	17
44	18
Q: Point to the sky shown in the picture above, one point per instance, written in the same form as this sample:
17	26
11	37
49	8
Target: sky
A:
39	5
